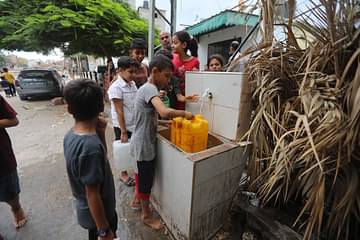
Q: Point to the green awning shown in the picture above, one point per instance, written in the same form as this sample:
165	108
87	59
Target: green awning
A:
227	18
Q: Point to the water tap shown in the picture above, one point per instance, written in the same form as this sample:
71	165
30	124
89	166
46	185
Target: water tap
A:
207	93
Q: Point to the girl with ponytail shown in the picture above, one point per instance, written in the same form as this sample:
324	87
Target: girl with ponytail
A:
181	43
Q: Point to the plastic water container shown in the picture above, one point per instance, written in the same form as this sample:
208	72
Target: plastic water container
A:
166	101
176	128
190	135
121	154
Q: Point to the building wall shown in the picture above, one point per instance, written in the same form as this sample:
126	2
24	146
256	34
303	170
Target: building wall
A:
92	63
219	36
159	21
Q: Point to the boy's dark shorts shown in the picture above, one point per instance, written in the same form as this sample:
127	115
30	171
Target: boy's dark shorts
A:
9	186
146	173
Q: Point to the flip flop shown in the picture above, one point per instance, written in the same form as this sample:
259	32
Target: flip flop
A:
130	182
20	223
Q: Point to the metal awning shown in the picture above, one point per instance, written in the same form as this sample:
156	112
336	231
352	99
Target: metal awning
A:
227	18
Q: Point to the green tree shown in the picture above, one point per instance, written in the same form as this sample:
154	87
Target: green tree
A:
2	59
96	27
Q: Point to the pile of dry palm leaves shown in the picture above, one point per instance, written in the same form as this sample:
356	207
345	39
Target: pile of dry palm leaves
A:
306	126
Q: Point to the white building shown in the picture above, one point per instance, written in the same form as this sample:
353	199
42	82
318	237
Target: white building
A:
160	23
215	34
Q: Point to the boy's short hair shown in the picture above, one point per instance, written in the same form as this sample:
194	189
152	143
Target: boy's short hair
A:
5	69
126	62
85	99
161	62
138	43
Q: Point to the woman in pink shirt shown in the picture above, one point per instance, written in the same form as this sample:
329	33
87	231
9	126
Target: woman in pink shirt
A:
181	43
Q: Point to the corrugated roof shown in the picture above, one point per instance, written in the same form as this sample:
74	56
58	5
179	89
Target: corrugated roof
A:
227	18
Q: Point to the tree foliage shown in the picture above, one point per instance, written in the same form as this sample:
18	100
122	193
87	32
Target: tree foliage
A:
2	59
97	27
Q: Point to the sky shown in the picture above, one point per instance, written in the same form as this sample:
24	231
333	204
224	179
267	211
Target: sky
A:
188	13
191	11
56	54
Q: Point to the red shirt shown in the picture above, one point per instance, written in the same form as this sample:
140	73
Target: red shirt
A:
7	157
181	67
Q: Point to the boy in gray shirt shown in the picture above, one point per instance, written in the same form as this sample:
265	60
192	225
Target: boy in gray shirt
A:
88	168
142	145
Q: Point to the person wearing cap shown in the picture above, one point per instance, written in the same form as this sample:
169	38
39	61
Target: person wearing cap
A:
233	46
137	52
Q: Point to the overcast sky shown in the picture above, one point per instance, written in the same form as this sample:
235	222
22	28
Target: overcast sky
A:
191	11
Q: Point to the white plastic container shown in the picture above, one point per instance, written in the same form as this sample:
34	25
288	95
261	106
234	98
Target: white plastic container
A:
121	154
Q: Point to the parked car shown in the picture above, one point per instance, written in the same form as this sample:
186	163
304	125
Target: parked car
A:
39	83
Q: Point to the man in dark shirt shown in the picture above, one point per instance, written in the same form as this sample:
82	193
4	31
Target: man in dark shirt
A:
9	180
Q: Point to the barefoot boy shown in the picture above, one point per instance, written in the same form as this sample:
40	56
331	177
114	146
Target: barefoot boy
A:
87	165
142	146
9	180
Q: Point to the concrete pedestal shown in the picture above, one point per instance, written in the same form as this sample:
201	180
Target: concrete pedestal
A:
192	192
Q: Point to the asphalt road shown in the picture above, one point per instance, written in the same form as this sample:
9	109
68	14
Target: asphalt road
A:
46	196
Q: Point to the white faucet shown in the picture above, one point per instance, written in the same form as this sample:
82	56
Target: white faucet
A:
207	93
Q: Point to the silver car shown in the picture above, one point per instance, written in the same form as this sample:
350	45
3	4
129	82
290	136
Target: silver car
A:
39	83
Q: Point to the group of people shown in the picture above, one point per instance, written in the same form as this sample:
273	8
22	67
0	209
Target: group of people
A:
136	116
8	82
136	96
137	107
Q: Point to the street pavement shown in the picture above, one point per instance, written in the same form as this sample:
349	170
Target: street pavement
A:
45	191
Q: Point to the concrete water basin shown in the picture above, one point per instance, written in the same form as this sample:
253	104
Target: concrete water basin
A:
192	192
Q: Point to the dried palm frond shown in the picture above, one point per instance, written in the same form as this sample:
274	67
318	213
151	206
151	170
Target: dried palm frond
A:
305	131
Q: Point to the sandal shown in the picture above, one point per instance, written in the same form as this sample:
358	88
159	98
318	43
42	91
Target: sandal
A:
130	182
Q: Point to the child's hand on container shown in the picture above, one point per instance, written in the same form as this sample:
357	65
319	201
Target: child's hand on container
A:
166	123
188	115
124	137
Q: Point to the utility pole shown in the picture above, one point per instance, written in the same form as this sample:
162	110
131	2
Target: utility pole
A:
151	30
173	4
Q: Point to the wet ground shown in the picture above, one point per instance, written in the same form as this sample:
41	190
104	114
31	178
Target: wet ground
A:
46	196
